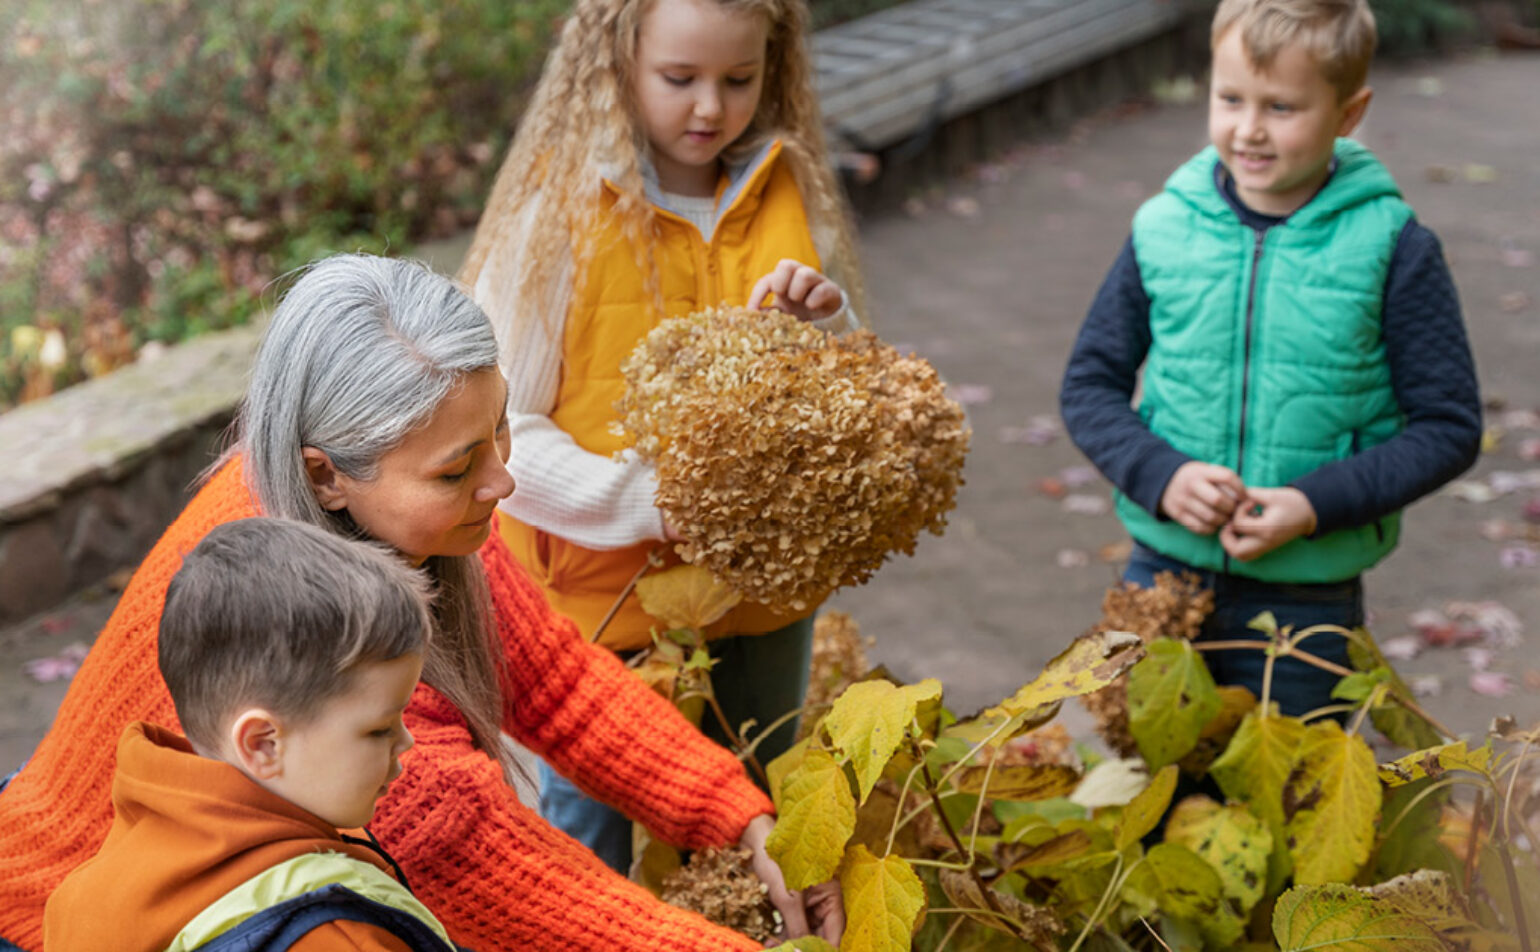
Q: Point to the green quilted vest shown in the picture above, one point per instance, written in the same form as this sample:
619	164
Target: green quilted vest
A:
1266	354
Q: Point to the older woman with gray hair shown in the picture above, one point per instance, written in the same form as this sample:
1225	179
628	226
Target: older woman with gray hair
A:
376	409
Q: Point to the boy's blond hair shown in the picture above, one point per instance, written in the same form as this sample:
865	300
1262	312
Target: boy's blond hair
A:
1338	34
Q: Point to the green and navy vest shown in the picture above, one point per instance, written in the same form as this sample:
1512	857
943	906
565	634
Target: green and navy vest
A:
1266	350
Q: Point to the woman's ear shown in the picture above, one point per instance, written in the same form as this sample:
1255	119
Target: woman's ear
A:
324	482
256	742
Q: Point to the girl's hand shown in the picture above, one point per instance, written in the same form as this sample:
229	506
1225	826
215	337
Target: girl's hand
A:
800	290
1266	519
817	911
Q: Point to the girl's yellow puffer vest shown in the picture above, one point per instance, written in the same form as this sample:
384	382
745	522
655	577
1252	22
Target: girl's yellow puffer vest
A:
762	220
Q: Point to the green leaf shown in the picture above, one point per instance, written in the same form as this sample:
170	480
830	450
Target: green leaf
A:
1179	882
868	722
1266	623
1253	770
1437	761
883	902
1171	696
1090	663
1019	782
1392	714
1412	843
817	817
1338	917
1231	839
1144	811
1357	687
1331	801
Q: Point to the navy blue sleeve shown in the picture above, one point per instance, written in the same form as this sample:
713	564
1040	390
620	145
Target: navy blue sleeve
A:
1434	378
1095	397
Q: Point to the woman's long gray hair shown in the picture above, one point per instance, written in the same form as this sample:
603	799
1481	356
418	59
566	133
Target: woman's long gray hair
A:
360	352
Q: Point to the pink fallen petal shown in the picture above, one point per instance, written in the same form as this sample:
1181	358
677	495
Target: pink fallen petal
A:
1426	685
1084	504
1529	450
1404	648
1039	431
1074	180
1518	557
1498	623
1531	510
1519	420
1427	618
1504	482
1498	530
1479	659
1491	683
59	667
1076	476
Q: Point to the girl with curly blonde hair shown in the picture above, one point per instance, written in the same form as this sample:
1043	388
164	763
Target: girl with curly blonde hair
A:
672	159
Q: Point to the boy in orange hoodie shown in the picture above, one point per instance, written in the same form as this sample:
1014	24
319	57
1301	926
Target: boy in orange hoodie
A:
290	654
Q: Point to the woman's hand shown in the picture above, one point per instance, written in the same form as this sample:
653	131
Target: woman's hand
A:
800	290
817	911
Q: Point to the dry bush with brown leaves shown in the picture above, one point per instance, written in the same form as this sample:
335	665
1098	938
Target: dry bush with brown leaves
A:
1174	608
792	461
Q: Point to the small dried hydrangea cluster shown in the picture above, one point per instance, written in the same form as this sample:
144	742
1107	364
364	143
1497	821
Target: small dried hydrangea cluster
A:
1174	608
720	885
792	461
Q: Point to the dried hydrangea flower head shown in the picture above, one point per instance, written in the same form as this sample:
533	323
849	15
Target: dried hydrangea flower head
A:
792	461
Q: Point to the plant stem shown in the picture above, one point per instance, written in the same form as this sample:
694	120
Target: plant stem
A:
1113	886
898	811
946	824
1521	920
1304	656
956	924
1513	779
1473	841
625	593
736	742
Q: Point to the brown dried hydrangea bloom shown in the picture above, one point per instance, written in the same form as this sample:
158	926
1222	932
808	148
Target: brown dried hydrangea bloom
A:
792	461
1174	608
720	885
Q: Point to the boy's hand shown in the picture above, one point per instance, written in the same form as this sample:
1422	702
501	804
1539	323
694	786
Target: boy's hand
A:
1202	496
1266	519
800	290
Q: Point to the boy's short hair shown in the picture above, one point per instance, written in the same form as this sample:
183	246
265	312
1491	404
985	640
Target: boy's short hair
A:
278	614
1338	34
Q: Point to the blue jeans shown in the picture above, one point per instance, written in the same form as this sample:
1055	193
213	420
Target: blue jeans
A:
1297	687
756	676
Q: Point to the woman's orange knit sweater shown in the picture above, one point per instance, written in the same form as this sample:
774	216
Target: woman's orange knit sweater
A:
498	876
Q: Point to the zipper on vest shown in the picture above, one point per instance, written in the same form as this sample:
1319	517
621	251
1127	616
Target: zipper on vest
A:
1251	306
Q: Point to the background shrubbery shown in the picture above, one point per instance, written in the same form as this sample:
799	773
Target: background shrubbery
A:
163	160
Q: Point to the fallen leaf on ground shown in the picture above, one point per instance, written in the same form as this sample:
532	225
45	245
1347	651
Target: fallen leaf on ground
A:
1076	476
1491	439
1491	684
1426	685
1520	420
1479	659
1471	491
1072	559
969	393
1439	173
1115	552
1430	86
964	206
1531	510
1479	173
1499	530
1403	648
1532	679
1513	303
1039	431
1505	481
1529	450
1084	504
1515	257
1052	487
1496	621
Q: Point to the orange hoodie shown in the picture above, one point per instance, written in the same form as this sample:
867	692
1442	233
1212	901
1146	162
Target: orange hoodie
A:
496	875
187	830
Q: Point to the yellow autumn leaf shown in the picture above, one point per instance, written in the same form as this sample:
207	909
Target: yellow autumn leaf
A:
1090	663
1229	838
1057	849
1338	918
789	760
883	902
685	596
1253	770
1332	801
868	722
1179	882
1019	783
1037	924
807	943
1435	762
1144	811
817	816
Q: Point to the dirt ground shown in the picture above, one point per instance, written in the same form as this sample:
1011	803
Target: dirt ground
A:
989	279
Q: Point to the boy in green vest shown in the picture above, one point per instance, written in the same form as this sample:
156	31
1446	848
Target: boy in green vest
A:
1306	373
290	654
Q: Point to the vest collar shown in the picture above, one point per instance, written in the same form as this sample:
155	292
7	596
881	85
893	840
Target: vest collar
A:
1357	177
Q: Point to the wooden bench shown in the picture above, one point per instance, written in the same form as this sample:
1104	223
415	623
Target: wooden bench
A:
908	69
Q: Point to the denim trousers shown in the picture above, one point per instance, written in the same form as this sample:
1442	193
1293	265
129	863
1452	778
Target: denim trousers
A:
1297	687
756	676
